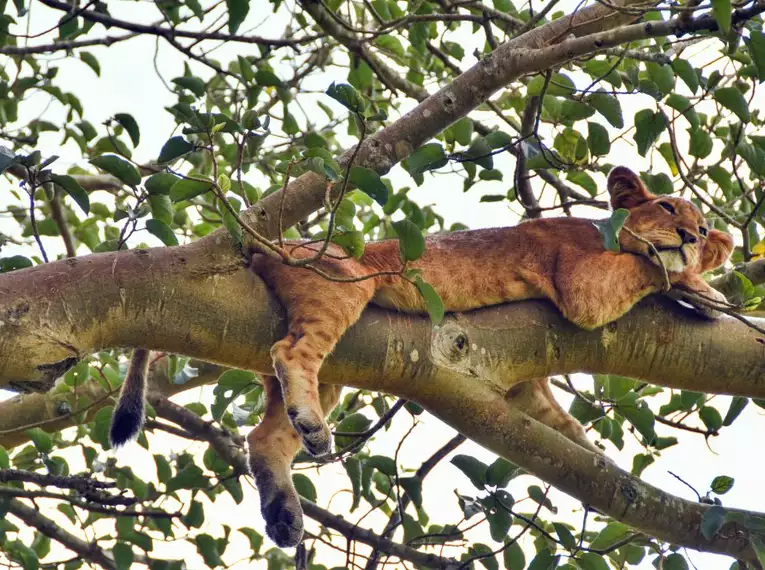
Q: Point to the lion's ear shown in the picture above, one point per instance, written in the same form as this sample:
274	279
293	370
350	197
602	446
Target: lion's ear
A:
718	247
626	189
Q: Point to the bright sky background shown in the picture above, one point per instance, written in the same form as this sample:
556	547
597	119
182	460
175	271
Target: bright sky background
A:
128	83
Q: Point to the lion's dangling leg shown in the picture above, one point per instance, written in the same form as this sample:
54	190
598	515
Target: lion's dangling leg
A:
535	398
319	313
272	445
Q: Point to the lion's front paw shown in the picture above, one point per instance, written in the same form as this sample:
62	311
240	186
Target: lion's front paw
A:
279	501
712	300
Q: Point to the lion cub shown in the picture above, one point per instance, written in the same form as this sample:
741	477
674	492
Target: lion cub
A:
560	259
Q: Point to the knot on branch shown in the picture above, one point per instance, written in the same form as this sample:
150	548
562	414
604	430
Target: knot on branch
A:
450	345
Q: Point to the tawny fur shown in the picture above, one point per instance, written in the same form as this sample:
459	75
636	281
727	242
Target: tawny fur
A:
560	259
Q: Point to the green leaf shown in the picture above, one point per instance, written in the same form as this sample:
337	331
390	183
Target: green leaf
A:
411	242
598	139
174	148
131	127
160	183
711	418
501	472
611	534
428	157
737	405
712	521
648	128
237	12
413	488
369	182
90	60
473	468
73	188
161	208
188	188
195	516
564	534
267	78
479	152
347	96
608	106
662	75
684	106
433	302
304	486
190	477
732	99
700	144
207	546
123	555
609	229
756	45
722	11
513	557
592	561
721	484
5	461
584	180
193	84
560	84
687	73
544	560
352	242
231	384
160	229
489	562
41	439
118	167
383	464
675	561
255	538
355	423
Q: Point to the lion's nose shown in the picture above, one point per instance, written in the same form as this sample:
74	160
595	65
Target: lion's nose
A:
686	236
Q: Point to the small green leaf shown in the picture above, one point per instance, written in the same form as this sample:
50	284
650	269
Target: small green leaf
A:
188	188
160	229
592	561
90	60
721	484
648	128
732	99
428	157
118	167
123	555
675	561
756	45
433	302
193	84
237	12
513	557
73	188
174	148
711	418
369	182
129	124
687	73
479	152
598	139
42	439
352	242
700	144
712	521
410	240
608	106
544	560
609	229
207	546
160	183
347	96
473	468
413	488
355	423
723	12
267	78
501	472
662	75
161	208
564	534
304	486
737	405
584	180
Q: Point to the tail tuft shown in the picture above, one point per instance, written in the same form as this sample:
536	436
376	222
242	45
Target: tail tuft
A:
126	423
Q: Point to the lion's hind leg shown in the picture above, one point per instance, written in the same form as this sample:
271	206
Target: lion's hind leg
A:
272	445
535	398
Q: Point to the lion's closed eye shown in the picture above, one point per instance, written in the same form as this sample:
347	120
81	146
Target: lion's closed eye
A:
668	207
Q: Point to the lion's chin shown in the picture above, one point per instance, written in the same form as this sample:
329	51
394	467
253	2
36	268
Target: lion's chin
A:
673	260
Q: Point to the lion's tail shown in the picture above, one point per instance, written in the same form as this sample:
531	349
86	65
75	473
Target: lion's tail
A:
128	416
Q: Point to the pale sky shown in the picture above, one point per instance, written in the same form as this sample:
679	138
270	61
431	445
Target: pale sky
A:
128	83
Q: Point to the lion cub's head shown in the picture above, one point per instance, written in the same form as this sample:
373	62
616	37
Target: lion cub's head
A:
675	226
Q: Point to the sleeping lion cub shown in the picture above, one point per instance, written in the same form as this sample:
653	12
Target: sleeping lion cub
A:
560	259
